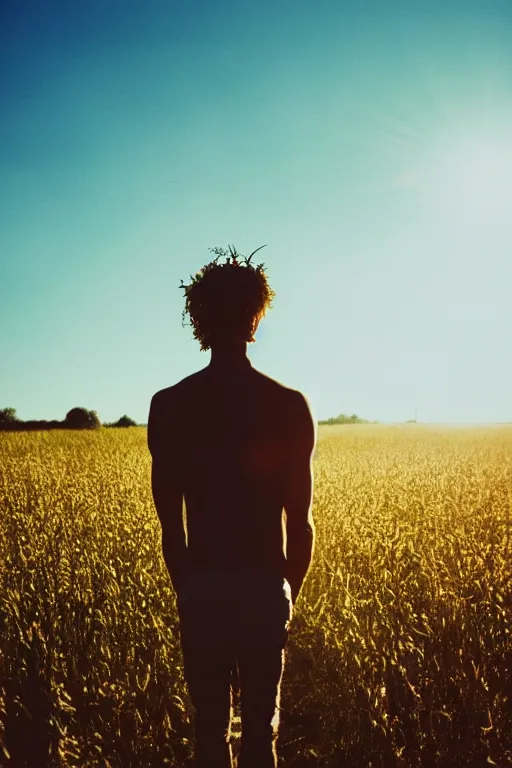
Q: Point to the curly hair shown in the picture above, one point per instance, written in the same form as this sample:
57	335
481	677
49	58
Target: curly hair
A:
227	300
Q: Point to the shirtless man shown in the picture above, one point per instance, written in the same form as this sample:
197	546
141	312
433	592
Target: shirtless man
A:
236	447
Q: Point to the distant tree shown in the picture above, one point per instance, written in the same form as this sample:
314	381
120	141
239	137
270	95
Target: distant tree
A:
344	419
125	421
81	418
8	416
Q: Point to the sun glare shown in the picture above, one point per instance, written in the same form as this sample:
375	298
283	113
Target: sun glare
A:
472	179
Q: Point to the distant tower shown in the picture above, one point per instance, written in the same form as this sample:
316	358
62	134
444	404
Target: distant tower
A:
416	414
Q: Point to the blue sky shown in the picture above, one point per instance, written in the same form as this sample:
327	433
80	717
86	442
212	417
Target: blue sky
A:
369	147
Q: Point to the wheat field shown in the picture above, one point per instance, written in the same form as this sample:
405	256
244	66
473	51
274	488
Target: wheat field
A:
400	651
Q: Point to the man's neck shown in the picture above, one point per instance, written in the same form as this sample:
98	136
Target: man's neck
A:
229	356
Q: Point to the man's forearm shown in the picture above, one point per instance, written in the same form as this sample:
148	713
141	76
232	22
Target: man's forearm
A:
300	543
169	508
176	559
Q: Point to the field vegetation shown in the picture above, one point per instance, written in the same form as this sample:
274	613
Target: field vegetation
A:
400	652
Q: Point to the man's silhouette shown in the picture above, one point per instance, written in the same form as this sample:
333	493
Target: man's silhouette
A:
236	446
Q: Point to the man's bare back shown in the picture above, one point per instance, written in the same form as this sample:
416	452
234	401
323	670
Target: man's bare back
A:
233	436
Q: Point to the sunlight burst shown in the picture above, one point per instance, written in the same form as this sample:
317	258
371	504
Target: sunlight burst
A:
472	178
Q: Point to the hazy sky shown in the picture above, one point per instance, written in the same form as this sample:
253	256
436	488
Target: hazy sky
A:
369	145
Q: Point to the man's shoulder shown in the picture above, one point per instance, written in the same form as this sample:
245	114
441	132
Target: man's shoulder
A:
293	404
176	391
286	392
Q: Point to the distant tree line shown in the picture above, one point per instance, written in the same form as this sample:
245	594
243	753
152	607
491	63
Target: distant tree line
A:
76	418
81	418
344	419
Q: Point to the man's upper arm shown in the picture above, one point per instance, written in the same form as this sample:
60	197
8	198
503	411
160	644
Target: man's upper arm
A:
164	428
298	490
154	427
163	443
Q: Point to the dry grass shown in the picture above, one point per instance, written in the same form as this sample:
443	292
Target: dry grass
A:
400	652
